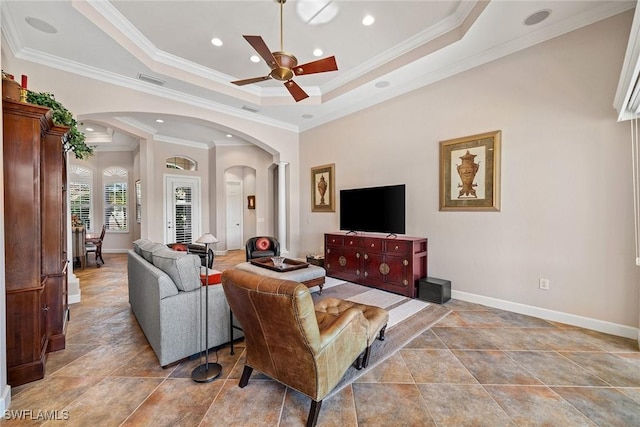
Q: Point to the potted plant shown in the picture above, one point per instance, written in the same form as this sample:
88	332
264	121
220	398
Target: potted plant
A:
74	139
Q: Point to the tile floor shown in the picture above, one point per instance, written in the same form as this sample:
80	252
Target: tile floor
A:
477	367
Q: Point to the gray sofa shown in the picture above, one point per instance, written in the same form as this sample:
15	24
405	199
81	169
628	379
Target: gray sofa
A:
165	297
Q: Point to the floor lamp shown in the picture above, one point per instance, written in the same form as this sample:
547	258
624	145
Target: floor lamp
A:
207	371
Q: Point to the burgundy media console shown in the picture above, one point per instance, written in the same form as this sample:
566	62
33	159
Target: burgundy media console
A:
394	264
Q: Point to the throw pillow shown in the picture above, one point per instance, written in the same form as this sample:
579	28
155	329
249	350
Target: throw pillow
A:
180	247
215	276
263	244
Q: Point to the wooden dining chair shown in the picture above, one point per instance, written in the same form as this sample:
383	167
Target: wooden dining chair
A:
94	244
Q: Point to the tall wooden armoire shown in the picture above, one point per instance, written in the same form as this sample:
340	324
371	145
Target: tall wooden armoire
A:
35	239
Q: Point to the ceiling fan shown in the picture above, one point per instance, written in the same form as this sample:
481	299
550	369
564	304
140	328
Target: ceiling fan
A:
284	65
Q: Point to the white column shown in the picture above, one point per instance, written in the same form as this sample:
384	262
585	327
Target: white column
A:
73	283
282	206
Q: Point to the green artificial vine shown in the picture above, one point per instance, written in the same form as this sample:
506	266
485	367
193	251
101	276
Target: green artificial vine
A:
74	139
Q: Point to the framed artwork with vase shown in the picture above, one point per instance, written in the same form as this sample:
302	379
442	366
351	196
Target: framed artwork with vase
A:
470	173
323	188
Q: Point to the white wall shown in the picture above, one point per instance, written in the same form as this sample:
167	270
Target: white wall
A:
249	217
153	184
250	165
87	97
114	241
567	211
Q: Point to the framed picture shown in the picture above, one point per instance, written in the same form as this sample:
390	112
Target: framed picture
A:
138	202
470	173
251	202
323	188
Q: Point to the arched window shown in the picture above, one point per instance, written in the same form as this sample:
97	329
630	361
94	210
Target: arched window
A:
116	199
80	190
181	163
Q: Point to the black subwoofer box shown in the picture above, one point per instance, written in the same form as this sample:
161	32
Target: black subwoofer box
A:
434	290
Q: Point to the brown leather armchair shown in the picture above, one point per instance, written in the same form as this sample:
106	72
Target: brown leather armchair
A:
284	339
262	246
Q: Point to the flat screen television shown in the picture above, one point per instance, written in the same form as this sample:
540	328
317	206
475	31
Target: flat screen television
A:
373	209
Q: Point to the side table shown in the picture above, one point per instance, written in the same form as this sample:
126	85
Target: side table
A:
316	260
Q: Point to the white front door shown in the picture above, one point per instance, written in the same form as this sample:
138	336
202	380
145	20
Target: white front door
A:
182	209
234	215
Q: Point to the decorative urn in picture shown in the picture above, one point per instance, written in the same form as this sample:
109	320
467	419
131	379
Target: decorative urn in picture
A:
467	171
322	188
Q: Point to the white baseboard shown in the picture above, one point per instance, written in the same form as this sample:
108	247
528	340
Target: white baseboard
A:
5	398
555	316
74	299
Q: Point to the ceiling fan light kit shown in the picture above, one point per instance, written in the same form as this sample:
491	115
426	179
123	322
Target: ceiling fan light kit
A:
284	66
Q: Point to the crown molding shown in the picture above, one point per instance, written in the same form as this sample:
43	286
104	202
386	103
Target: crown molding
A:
413	76
180	141
450	23
630	73
134	84
9	29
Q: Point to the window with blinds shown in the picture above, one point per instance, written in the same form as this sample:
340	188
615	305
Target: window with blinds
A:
183	214
115	199
181	163
80	202
80	188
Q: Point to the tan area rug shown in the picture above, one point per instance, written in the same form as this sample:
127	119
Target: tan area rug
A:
408	318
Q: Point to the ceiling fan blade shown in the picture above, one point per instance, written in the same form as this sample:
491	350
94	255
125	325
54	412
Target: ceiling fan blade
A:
263	50
295	90
319	66
251	80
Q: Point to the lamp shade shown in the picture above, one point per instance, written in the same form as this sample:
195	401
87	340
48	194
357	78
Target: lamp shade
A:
207	238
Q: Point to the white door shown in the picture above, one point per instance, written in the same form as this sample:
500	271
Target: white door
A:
234	215
182	209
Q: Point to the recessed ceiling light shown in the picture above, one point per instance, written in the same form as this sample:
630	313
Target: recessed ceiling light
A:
216	41
255	58
307	116
317	52
537	17
382	83
159	120
368	20
89	129
41	25
229	135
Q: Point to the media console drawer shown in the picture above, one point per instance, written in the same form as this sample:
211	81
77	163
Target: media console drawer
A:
394	264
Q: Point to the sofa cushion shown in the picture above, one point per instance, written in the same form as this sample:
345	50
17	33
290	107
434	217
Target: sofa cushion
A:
138	244
147	250
183	268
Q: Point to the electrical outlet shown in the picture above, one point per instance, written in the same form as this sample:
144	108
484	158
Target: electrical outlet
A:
638	262
544	284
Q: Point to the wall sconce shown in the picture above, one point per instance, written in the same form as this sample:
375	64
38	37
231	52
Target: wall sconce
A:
251	202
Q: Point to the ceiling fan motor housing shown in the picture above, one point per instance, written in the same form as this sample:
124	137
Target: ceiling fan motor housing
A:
283	69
